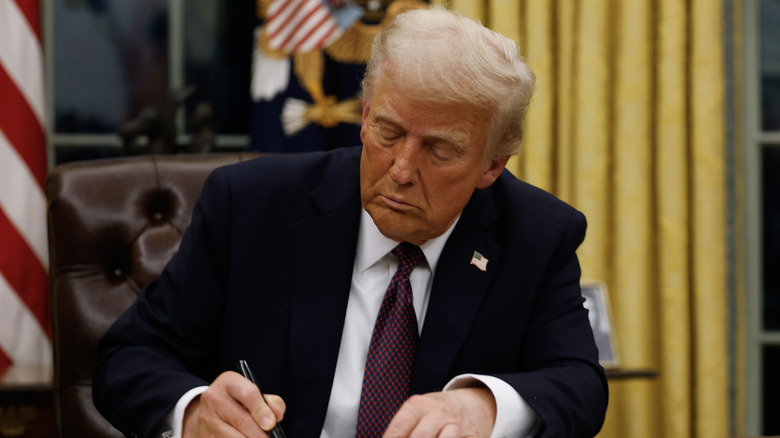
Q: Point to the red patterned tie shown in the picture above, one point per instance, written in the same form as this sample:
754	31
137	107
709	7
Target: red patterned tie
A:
390	360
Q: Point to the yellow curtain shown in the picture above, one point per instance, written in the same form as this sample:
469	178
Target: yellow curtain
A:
627	124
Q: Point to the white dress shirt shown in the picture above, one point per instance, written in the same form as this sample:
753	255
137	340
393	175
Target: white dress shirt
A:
373	269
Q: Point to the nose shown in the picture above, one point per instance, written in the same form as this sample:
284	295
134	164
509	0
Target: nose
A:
406	161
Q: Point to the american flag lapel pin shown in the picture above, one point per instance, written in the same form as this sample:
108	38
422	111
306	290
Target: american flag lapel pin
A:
479	261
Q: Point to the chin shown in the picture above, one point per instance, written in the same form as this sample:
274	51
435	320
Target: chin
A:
391	223
391	233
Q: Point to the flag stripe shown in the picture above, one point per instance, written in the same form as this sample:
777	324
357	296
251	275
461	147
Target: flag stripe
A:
300	25
24	293
23	272
320	36
276	8
289	23
22	130
32	14
5	361
282	19
309	34
23	200
22	56
21	336
313	18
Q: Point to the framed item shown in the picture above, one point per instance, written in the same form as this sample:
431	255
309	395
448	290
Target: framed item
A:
600	316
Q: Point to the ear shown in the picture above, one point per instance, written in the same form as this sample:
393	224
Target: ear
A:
366	110
492	172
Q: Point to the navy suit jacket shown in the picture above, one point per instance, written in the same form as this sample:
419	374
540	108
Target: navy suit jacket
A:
263	273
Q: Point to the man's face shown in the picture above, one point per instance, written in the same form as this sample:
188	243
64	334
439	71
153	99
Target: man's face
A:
421	163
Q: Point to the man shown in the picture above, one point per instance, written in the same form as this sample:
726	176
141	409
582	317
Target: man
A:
287	260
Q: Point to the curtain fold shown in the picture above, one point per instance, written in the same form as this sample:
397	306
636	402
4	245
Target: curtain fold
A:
627	124
673	216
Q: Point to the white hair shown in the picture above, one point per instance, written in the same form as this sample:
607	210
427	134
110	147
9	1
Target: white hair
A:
442	56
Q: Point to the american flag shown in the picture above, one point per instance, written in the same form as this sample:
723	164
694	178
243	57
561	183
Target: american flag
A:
300	25
25	333
479	261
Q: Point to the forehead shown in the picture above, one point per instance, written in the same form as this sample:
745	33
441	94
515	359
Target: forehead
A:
456	121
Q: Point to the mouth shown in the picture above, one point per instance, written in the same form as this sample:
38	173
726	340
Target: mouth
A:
396	203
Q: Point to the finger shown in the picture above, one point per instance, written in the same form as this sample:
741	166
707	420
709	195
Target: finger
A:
242	421
277	405
222	414
241	389
406	419
429	424
451	413
223	429
451	430
202	421
266	411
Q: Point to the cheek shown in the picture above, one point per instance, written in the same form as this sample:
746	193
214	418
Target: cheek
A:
375	162
370	171
448	196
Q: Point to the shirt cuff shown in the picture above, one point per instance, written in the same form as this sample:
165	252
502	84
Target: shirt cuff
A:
175	418
514	417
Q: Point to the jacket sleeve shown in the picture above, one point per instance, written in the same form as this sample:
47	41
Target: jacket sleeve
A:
562	379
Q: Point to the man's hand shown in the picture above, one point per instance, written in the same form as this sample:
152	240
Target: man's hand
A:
232	407
464	412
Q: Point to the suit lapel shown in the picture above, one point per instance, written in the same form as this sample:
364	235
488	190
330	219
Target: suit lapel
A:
323	259
456	294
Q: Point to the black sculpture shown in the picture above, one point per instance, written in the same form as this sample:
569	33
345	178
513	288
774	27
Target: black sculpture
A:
153	131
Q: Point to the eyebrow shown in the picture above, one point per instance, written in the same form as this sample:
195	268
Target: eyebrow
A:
457	138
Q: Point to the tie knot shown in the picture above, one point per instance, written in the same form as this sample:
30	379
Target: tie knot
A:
408	255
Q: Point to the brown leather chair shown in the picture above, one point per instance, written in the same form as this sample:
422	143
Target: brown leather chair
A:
113	225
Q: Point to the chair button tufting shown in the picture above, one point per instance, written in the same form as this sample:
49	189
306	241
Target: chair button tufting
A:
118	272
158	216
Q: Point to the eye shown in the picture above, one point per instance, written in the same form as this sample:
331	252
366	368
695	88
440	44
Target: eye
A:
443	151
387	133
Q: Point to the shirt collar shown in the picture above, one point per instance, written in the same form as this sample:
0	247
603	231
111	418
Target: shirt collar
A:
373	245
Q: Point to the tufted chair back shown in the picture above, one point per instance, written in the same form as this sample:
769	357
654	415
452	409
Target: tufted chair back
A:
113	225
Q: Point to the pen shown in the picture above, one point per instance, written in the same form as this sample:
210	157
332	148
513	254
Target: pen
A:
243	366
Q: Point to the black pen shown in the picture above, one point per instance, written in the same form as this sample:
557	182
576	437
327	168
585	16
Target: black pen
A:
277	431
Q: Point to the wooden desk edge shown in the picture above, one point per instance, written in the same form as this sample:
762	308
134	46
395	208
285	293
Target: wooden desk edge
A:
619	373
